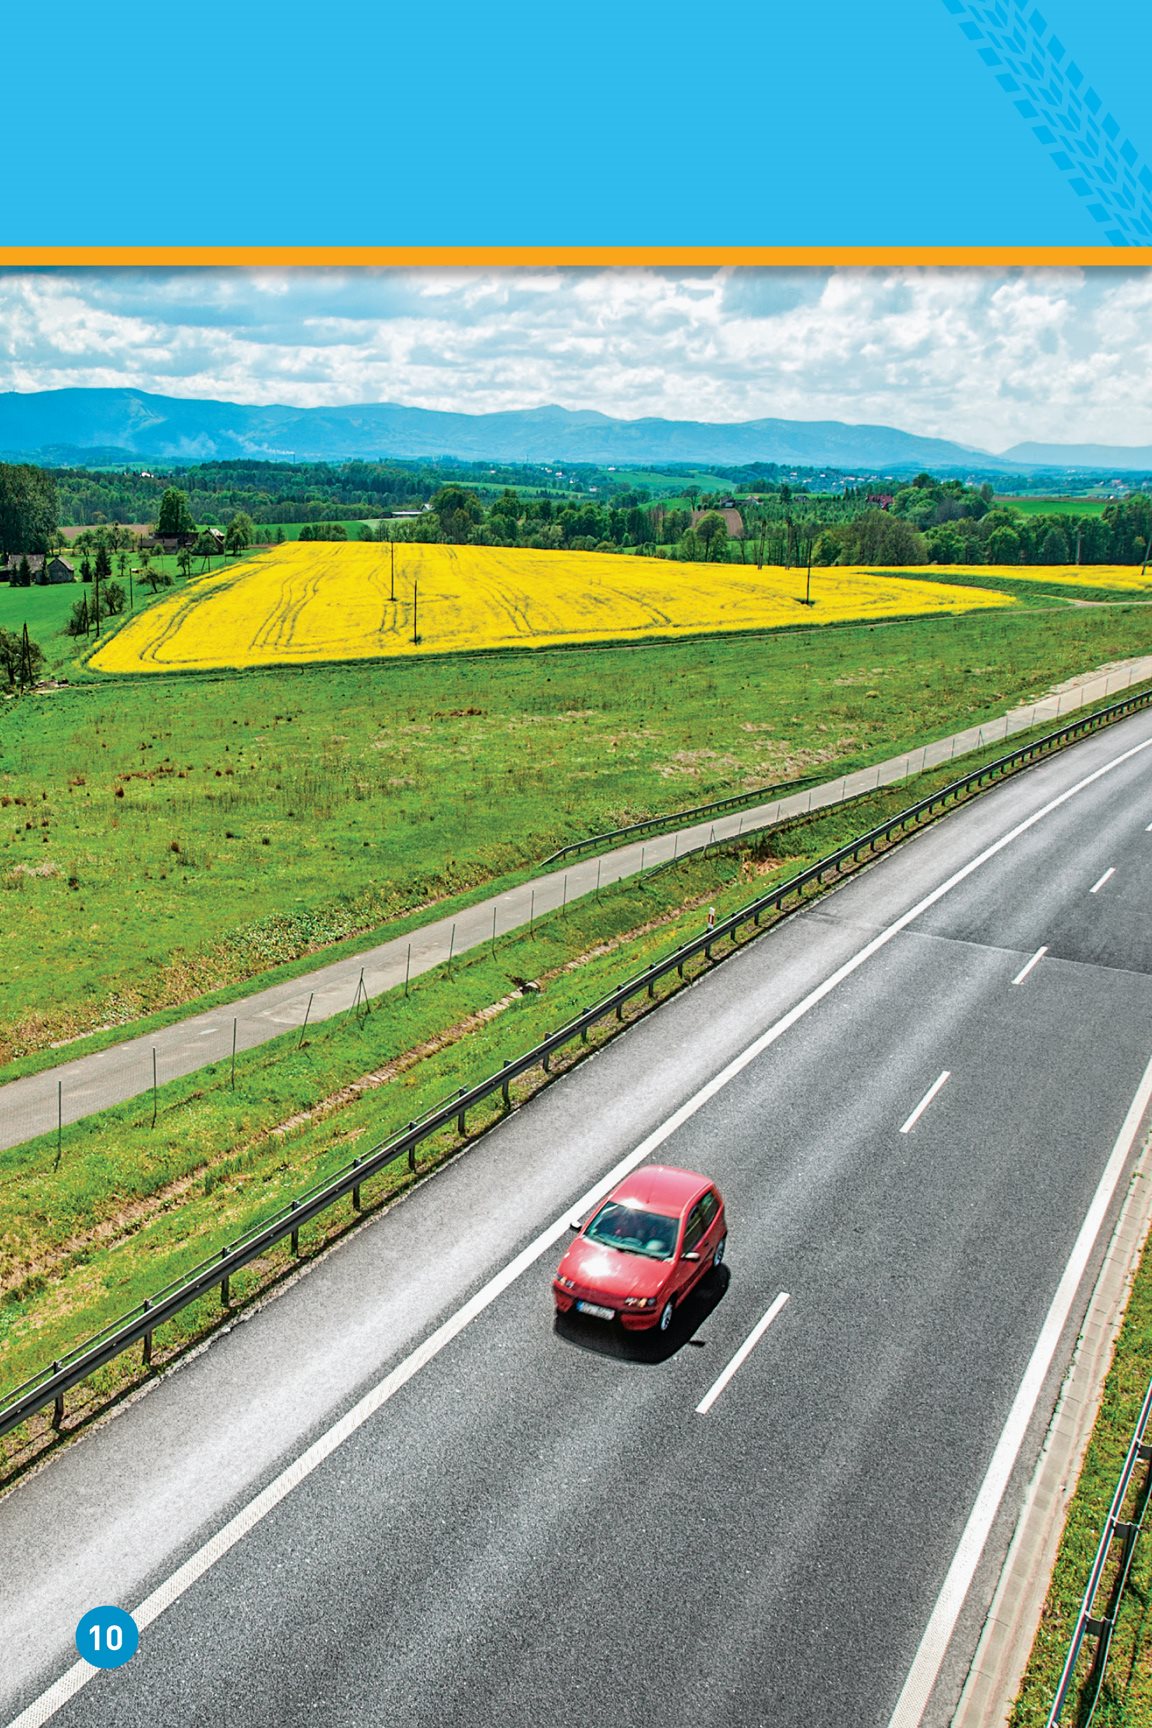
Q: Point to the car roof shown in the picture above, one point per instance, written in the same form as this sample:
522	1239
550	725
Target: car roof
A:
661	1185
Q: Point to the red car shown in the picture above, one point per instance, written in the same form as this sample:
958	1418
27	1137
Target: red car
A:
644	1248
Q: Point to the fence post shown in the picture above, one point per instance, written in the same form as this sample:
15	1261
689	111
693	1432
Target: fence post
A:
307	1011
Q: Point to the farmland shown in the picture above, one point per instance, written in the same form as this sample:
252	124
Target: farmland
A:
164	838
321	601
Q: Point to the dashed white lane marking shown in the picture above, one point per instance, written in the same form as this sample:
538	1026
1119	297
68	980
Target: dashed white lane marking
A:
1111	871
741	1355
925	1101
78	1676
1024	970
917	1689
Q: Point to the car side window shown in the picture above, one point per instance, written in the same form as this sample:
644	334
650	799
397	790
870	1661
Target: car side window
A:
694	1228
709	1206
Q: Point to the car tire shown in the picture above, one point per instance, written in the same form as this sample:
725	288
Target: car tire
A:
665	1319
718	1255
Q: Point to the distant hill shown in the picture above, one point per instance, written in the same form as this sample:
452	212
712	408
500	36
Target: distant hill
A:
47	425
1111	458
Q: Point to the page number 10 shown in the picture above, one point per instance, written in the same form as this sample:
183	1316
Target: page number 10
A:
107	1637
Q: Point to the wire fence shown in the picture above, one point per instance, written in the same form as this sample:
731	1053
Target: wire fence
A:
1108	1578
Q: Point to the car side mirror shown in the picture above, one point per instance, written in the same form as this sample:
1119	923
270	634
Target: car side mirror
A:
691	1255
575	1224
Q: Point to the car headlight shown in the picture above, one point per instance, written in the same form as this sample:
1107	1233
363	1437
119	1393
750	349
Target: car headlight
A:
639	1301
565	1283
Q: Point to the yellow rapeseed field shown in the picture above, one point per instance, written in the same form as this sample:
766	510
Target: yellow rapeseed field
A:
316	601
1122	576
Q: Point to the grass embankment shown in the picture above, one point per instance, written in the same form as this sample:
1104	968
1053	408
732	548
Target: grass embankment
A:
1126	1697
128	1207
165	841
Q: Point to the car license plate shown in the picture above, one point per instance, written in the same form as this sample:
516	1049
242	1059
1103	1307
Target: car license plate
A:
596	1311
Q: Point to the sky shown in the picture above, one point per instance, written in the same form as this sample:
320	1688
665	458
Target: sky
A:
985	357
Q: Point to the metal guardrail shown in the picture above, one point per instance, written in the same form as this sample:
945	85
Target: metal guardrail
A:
1116	1529
50	1385
758	795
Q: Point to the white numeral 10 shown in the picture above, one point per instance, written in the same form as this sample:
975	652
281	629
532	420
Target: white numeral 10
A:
113	1637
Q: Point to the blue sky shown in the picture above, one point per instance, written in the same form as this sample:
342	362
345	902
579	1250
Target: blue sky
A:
981	356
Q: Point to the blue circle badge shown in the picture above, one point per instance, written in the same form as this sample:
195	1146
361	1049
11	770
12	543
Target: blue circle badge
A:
107	1637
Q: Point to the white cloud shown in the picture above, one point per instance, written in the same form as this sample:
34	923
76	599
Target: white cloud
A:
982	357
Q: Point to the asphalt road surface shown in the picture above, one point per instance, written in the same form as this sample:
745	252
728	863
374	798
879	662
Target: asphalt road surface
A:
398	1494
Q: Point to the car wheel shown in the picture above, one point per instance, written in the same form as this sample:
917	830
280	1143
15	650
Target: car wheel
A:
718	1256
665	1317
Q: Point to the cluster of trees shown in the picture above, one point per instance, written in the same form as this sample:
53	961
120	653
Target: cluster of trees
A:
21	659
29	509
267	492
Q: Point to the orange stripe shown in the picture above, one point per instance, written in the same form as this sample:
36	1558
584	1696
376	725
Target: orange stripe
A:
510	257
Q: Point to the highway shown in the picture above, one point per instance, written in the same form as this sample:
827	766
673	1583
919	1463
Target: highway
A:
397	1493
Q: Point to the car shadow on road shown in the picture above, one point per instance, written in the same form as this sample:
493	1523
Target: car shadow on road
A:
603	1338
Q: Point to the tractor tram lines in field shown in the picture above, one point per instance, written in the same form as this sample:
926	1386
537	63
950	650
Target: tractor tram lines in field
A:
305	602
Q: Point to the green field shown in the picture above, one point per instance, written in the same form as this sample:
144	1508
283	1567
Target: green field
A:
163	840
291	530
1033	506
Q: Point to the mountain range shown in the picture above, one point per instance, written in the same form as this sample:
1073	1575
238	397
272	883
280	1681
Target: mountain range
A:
117	425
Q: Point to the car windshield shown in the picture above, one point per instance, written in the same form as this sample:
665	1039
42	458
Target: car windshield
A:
634	1231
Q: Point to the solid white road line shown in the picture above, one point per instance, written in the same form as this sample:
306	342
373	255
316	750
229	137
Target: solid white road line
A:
741	1355
925	1101
938	1634
174	1587
1111	871
1024	970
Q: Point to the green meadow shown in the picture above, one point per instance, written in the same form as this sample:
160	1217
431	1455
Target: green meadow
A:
164	838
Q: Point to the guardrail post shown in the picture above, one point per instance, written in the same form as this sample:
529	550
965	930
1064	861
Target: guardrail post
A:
412	1151
147	1349
58	1405
460	1118
225	1283
505	1094
356	1207
544	1060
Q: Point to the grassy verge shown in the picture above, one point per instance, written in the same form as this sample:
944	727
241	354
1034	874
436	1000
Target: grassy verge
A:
128	1206
163	843
1126	1696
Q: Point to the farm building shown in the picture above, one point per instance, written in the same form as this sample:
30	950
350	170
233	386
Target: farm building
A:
42	570
730	517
